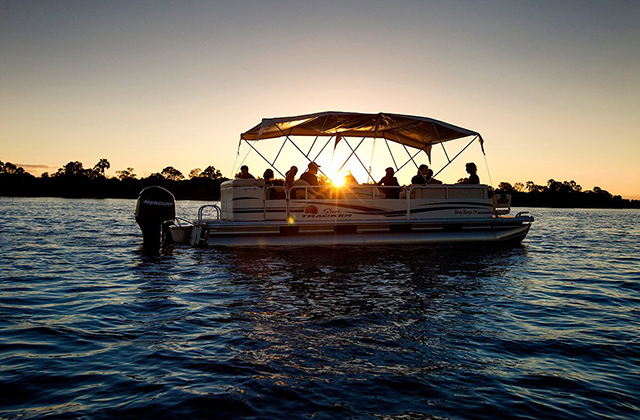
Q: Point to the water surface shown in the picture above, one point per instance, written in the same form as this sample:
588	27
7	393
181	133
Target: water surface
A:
92	328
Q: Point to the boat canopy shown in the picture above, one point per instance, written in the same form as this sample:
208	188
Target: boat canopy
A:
418	132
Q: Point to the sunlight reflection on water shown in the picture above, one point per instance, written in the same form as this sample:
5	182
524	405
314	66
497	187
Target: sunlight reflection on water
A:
91	327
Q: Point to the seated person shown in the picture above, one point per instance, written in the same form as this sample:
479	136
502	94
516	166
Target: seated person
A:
268	178
310	175
473	176
244	173
300	193
310	178
432	180
390	181
422	176
268	184
290	176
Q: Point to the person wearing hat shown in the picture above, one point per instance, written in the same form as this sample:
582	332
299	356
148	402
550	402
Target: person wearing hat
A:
310	178
310	175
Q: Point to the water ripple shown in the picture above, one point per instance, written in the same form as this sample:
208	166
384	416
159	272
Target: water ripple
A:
92	328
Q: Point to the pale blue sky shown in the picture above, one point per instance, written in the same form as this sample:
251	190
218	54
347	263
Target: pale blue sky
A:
554	87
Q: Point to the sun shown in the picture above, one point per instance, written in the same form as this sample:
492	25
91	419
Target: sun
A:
337	181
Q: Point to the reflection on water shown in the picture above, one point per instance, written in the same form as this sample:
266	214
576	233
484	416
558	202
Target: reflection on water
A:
90	327
315	309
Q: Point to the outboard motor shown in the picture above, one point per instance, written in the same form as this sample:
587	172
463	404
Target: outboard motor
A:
155	209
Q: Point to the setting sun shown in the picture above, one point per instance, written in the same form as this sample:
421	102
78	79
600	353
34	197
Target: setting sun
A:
337	181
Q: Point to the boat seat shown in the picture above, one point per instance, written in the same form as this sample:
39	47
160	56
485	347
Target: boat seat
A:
299	193
501	203
362	192
247	183
275	192
426	192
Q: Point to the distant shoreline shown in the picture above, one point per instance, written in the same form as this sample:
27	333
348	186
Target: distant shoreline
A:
635	204
204	189
74	181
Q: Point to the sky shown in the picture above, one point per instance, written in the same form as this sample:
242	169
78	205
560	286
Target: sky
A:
552	86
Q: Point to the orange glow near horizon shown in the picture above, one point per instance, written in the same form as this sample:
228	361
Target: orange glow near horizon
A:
175	86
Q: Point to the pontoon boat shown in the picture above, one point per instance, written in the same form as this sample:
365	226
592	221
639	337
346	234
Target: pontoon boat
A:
254	214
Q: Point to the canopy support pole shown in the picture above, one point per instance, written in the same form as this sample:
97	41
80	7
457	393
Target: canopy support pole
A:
435	127
391	154
407	150
373	149
265	159
314	140
411	157
454	158
279	151
296	146
354	154
323	147
353	151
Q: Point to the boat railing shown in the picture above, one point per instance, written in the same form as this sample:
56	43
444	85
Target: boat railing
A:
418	192
446	191
180	222
201	210
411	194
443	192
305	192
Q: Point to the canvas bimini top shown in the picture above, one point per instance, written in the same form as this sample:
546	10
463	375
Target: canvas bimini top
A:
418	132
415	132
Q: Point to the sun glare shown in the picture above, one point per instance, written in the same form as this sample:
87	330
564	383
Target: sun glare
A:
337	181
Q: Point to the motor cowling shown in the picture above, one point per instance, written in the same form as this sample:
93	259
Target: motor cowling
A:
156	206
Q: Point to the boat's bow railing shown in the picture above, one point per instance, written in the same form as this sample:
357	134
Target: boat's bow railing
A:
201	210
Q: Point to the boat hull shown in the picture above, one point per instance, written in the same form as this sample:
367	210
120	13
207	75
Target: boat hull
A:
508	230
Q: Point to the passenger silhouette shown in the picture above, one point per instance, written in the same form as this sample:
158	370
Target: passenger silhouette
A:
390	181
422	176
289	177
432	180
244	173
473	176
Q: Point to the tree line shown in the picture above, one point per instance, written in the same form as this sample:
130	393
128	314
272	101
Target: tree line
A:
562	194
74	181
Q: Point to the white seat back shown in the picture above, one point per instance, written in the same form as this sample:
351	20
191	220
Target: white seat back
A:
501	203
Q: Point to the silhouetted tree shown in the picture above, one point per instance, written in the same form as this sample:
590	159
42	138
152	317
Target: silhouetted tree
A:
126	174
194	173
211	173
172	174
11	169
532	187
101	166
505	187
73	168
156	177
602	193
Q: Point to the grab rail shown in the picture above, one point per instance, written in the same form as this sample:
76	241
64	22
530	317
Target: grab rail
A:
410	193
179	221
213	206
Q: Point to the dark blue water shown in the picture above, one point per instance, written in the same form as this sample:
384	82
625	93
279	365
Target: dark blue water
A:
92	328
